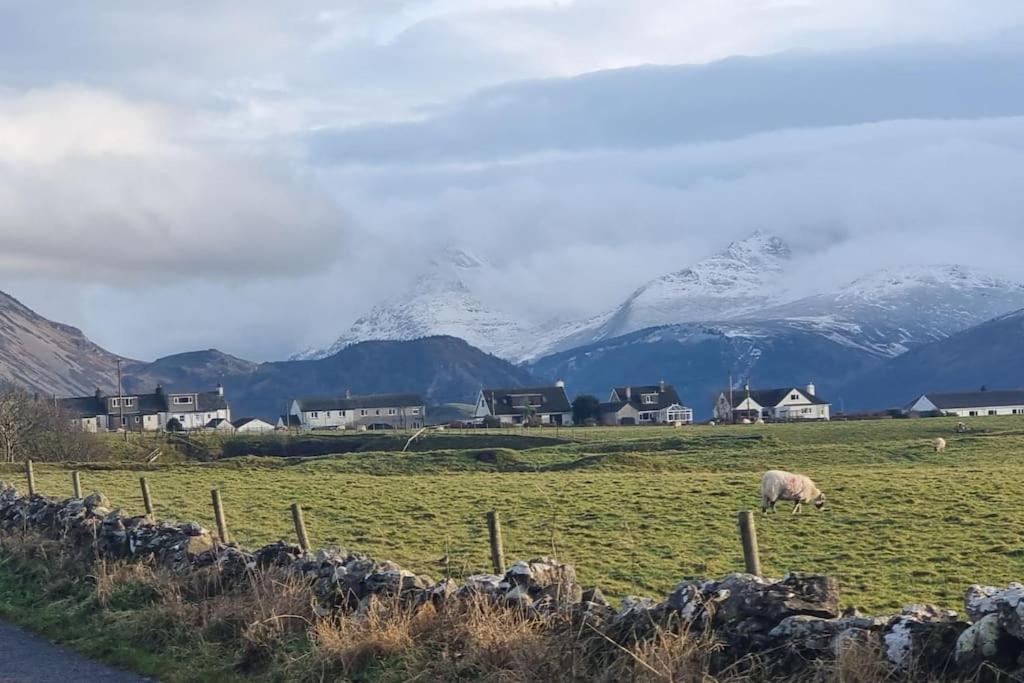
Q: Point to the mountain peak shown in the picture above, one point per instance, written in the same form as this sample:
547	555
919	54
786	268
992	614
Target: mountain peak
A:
757	245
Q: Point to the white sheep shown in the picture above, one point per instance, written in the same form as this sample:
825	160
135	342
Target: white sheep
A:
778	485
939	445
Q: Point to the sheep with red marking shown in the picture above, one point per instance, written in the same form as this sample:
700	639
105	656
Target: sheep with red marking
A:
778	485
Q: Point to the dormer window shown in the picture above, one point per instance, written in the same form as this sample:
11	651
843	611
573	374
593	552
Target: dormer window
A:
127	401
182	400
649	399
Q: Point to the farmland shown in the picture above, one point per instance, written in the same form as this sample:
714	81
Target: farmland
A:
635	509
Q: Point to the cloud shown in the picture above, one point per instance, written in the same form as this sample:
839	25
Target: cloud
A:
649	107
95	188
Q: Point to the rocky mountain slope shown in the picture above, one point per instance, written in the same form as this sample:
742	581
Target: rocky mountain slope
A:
49	357
190	371
988	354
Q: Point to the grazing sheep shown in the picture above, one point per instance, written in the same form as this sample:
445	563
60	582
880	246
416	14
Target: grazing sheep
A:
777	485
962	428
939	444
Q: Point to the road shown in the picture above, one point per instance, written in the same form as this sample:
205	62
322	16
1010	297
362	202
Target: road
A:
27	658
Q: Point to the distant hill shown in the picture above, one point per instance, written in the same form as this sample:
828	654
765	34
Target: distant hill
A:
990	354
699	358
443	369
50	357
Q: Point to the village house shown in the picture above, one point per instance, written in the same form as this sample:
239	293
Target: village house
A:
545	405
653	404
158	411
251	425
969	403
379	411
772	405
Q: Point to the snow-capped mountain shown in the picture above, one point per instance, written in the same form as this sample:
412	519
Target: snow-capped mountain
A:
742	279
897	308
440	302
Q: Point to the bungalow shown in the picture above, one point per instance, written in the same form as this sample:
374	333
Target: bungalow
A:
146	412
252	425
777	405
378	411
653	404
547	405
969	403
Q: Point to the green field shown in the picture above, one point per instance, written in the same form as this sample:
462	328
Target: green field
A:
637	509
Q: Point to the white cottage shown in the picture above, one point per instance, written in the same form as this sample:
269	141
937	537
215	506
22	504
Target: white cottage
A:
969	403
377	411
776	405
547	405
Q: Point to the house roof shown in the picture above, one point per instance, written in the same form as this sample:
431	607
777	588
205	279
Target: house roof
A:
217	422
145	404
551	400
82	406
242	421
356	402
667	396
772	397
289	421
975	399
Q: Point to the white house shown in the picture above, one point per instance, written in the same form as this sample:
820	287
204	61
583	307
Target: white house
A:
776	405
649	404
146	412
252	425
969	403
378	411
548	405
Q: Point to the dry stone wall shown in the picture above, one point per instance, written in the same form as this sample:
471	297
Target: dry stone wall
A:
792	621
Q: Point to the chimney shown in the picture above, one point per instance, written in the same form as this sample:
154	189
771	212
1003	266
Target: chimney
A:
348	393
811	388
629	393
99	393
661	386
560	384
159	390
220	389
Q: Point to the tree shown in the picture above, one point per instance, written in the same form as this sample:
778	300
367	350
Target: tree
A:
585	407
36	429
17	421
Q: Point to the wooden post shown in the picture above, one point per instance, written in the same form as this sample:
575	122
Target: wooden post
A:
218	513
147	500
497	551
300	527
748	535
76	484
31	476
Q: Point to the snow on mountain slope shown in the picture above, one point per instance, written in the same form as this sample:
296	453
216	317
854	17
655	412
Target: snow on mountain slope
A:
902	307
738	281
441	302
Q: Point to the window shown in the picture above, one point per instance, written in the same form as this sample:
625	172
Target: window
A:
378	411
973	413
314	414
649	399
136	419
415	411
993	412
124	421
392	411
362	411
794	397
182	400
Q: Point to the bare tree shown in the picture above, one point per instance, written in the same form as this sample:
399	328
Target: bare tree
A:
37	429
17	420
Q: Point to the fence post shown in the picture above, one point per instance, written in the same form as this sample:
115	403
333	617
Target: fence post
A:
497	551
300	527
218	513
76	484
748	535
147	500
31	476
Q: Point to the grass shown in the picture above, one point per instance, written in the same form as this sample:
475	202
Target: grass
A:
638	509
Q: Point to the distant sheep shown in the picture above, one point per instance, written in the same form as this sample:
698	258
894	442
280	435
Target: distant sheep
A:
939	444
777	485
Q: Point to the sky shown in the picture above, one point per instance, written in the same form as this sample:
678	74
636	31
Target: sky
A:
253	176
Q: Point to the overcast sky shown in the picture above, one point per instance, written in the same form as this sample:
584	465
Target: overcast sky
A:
252	176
